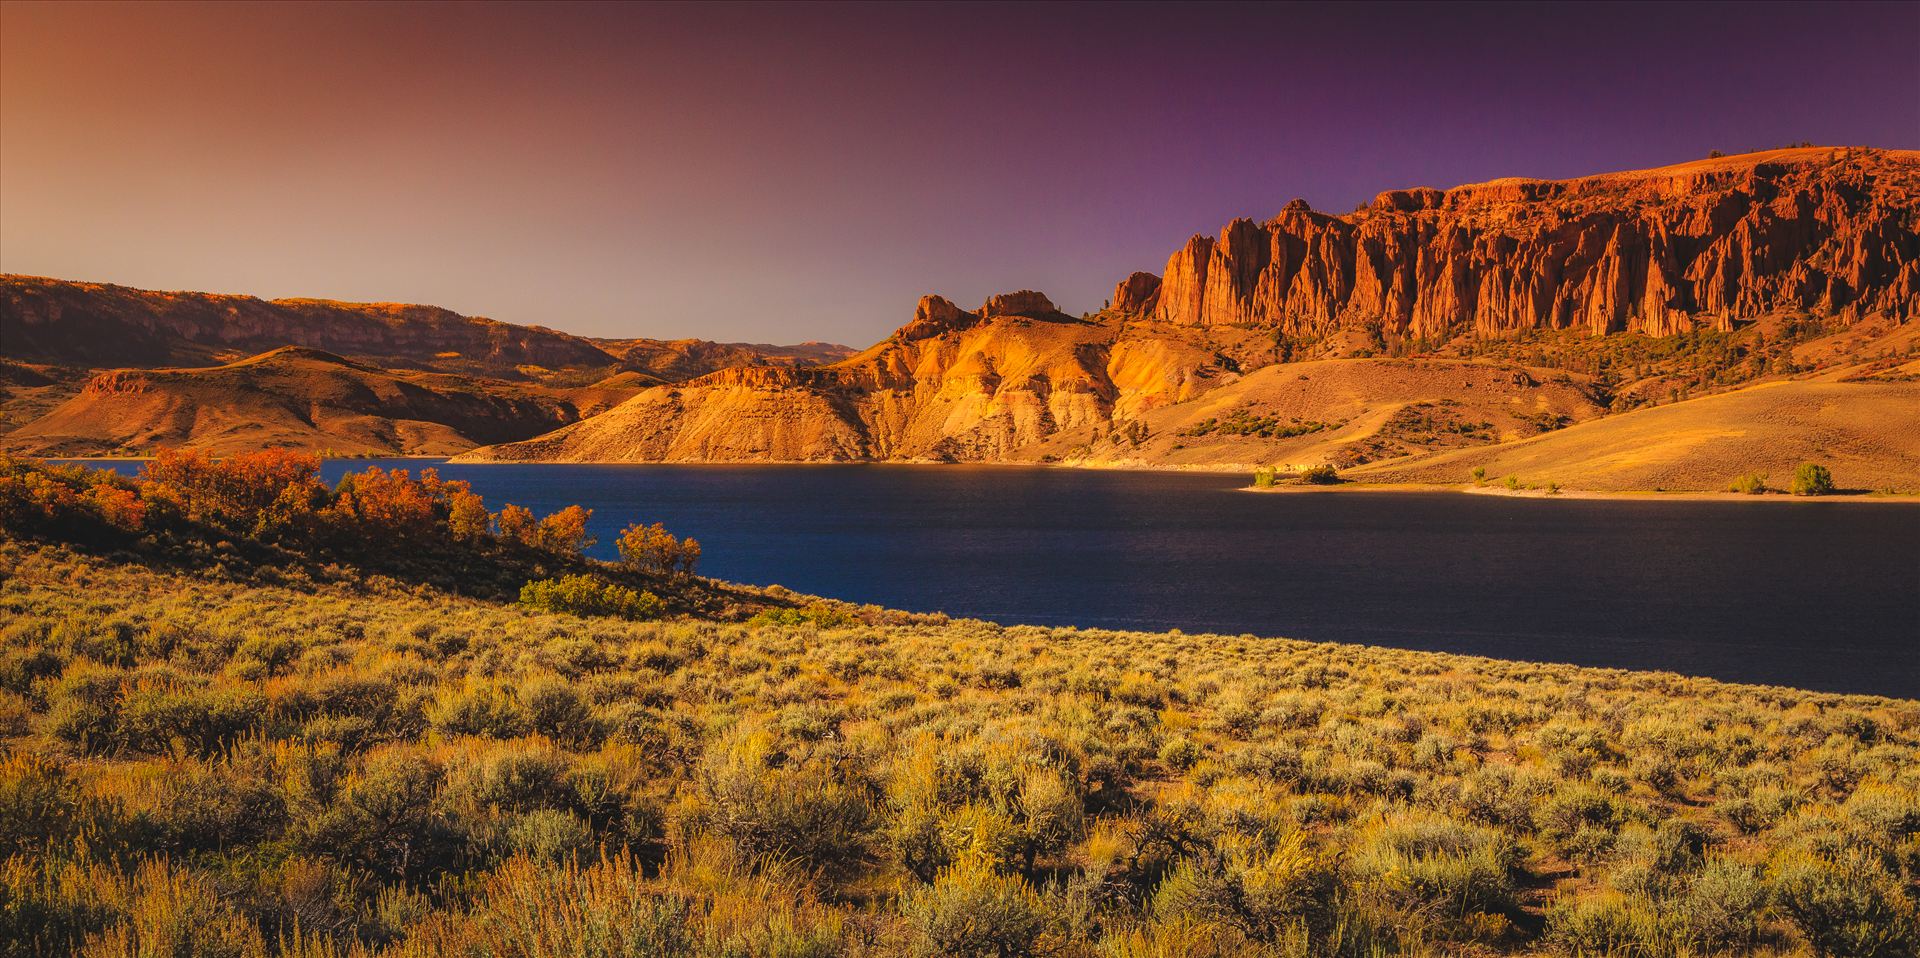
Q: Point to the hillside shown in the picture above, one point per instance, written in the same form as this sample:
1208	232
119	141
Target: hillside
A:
1423	323
114	369
267	711
1866	431
297	398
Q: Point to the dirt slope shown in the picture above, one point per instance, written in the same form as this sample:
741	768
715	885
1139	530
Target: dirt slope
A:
1344	411
1866	431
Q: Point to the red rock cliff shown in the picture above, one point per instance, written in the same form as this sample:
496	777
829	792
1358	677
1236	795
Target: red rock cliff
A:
1654	251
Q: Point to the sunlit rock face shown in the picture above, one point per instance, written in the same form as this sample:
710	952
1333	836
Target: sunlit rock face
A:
1654	251
1700	245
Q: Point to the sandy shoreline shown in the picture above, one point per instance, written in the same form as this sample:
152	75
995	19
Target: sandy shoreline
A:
1635	496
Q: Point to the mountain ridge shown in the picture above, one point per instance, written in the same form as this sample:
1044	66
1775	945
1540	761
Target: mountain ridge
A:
1738	259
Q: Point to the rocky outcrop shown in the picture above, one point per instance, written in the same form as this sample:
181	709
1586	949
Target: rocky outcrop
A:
1136	293
951	385
1706	244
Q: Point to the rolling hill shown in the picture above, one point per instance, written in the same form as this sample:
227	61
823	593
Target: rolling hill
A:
93	369
295	397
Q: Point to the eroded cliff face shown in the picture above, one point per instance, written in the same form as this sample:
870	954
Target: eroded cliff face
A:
951	385
1661	251
1831	231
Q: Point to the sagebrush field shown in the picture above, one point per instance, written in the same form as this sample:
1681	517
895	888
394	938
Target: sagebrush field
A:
245	714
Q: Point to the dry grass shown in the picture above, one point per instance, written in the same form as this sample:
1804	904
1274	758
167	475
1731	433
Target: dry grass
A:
1867	433
219	767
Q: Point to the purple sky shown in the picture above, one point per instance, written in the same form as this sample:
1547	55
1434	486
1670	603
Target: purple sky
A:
807	172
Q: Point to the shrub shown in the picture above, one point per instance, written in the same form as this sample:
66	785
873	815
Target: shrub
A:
972	912
1845	906
1608	923
767	806
1812	479
1751	484
173	912
1479	475
1321	475
1426	865
1271	895
1263	478
589	595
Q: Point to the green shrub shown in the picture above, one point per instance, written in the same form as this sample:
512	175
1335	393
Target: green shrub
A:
819	614
590	595
1429	866
1847	906
1751	484
971	912
1607	923
1263	478
1321	475
1270	894
1812	479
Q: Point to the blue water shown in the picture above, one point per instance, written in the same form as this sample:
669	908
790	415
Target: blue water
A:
1815	595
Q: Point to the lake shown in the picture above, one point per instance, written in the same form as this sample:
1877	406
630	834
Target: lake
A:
1815	595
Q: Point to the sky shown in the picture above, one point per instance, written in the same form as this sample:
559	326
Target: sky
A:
779	173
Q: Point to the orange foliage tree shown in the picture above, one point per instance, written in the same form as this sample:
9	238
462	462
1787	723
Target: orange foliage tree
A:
239	491
516	524
565	532
381	503
655	551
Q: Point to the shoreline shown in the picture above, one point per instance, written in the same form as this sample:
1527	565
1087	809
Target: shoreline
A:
1282	486
1637	495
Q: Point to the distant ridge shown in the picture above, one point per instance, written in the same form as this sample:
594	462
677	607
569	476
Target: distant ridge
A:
72	323
93	368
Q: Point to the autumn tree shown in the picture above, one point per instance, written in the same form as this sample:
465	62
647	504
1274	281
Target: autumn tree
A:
516	524
655	551
390	504
238	491
565	532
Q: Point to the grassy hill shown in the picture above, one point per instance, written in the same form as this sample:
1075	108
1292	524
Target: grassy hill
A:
248	748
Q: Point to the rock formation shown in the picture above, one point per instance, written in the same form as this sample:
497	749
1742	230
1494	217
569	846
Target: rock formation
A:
1706	244
951	385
